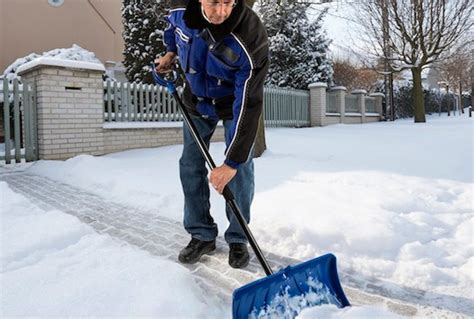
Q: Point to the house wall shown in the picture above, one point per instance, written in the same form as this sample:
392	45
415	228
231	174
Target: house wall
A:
34	26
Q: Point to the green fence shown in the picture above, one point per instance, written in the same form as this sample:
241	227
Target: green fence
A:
19	129
137	102
331	103
370	105
286	107
351	104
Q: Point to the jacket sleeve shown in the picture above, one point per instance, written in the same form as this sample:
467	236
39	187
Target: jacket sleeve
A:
248	104
176	10
169	36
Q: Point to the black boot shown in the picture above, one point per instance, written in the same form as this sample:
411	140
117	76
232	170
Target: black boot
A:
195	249
238	255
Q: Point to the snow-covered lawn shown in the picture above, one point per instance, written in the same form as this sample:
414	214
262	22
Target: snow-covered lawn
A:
53	265
393	201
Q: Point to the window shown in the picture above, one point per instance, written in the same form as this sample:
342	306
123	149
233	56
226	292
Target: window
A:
56	3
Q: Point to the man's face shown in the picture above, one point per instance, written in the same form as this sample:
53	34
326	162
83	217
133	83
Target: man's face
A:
217	11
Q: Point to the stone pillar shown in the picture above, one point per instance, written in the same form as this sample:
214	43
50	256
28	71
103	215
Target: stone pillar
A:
340	92
360	103
317	100
69	107
378	102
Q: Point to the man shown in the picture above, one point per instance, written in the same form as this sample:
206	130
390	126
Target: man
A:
223	51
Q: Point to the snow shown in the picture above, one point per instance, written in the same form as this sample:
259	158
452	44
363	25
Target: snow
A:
286	306
54	265
74	57
332	312
60	62
392	200
138	125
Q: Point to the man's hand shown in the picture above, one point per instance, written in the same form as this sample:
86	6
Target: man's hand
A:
221	176
164	63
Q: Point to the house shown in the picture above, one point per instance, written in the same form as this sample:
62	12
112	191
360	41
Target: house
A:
36	26
430	78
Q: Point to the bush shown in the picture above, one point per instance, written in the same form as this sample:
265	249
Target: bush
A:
435	101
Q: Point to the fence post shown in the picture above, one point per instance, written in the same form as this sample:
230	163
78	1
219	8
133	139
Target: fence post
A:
70	107
317	103
340	92
360	94
378	102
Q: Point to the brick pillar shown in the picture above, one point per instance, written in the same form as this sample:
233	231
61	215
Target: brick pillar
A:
340	92
360	103
378	102
69	108
317	96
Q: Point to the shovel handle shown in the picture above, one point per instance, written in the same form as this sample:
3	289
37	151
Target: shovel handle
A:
227	193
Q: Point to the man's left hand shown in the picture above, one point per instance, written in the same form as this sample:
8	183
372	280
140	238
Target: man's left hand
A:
221	176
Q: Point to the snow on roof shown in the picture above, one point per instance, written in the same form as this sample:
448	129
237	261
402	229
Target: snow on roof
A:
74	57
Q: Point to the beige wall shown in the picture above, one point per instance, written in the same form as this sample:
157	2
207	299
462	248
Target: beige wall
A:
28	26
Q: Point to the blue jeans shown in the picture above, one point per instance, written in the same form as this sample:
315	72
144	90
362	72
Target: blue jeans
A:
193	173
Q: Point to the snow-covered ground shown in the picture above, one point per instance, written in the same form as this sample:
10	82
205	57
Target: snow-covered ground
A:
393	201
53	265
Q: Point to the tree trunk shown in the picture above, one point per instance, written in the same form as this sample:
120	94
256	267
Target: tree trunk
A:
449	101
260	143
461	104
417	96
472	87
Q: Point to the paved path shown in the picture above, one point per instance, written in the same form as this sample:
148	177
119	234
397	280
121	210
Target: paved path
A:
163	237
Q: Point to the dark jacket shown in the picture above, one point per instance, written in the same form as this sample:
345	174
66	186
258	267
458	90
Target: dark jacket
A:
225	66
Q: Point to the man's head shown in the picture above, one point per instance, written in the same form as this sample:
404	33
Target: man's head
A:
217	11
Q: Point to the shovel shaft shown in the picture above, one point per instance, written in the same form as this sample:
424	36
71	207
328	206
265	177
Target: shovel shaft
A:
227	193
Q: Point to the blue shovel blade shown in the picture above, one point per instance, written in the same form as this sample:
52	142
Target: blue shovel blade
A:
285	293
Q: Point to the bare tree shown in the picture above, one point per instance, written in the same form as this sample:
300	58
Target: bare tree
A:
352	76
455	69
419	31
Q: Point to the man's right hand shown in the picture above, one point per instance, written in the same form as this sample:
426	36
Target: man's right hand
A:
164	64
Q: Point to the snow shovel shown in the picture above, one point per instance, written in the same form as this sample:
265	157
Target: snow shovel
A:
278	295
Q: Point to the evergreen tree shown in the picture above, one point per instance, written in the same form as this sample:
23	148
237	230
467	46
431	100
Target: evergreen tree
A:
298	47
144	24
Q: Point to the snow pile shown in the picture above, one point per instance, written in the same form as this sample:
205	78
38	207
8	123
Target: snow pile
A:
75	53
393	201
390	200
53	265
354	312
74	57
287	307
